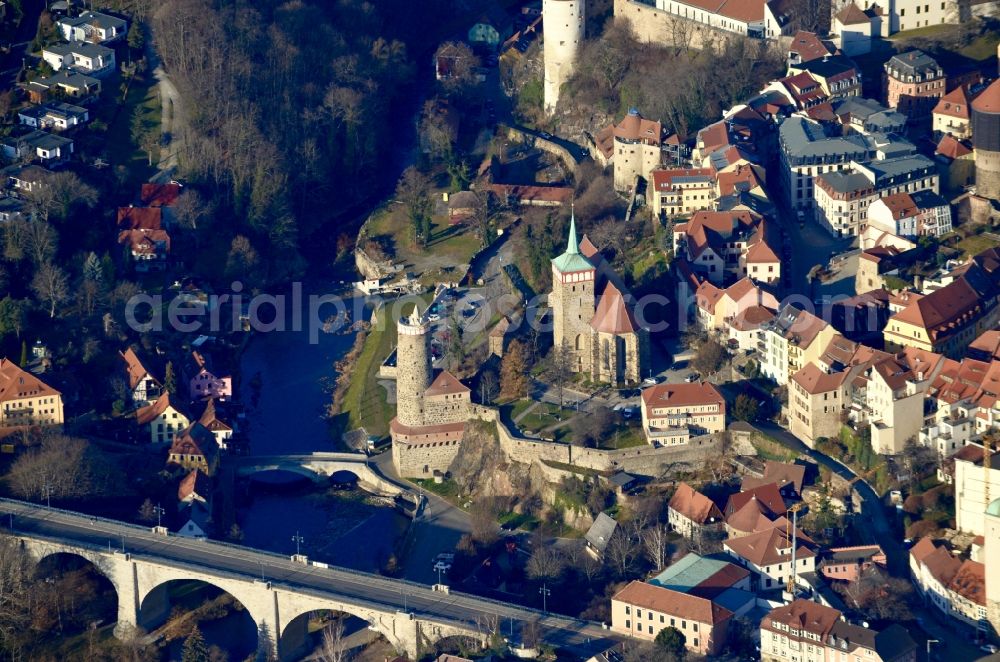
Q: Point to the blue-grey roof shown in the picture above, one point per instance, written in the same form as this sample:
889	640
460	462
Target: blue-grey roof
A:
928	199
913	63
900	169
601	531
688	573
81	48
735	599
846	181
804	141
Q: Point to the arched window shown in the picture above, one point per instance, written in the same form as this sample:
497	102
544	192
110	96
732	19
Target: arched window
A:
579	341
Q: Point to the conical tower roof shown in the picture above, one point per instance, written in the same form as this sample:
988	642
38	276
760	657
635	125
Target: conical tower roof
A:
572	260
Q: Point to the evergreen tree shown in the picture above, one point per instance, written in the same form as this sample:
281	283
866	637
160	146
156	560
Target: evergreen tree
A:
170	379
195	649
670	643
92	269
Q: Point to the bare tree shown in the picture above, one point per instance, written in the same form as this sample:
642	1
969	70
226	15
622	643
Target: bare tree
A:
560	368
190	209
413	190
489	386
655	543
63	192
51	286
546	563
16	570
334	646
621	552
484	521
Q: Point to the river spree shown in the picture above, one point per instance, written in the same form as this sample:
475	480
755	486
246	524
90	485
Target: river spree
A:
286	384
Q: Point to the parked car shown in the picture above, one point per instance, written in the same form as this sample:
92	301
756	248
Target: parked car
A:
652	381
545	134
692	377
988	648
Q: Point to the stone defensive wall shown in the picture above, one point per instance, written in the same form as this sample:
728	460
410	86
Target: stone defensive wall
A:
645	460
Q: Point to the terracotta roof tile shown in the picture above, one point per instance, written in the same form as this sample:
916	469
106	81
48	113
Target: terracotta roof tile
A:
16	383
681	395
694	505
674	603
446	383
613	314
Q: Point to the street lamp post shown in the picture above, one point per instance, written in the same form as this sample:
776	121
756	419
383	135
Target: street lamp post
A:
929	642
159	515
438	568
298	540
544	590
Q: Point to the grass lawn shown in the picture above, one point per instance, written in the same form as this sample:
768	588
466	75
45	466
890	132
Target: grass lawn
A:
625	436
449	245
511	410
364	401
977	243
518	521
544	415
117	115
929	31
447	490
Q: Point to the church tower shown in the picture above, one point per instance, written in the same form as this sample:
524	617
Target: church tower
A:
572	301
563	27
413	369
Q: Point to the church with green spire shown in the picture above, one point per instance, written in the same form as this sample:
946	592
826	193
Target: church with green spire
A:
599	331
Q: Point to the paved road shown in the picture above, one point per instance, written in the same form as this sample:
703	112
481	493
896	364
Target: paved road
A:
580	637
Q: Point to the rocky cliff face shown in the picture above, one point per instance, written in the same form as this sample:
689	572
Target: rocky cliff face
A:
483	469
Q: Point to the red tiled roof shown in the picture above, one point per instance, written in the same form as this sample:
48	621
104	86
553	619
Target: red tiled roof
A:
805	615
694	505
970	582
663	180
674	603
149	413
445	384
852	15
768	495
16	383
613	314
901	205
139	218
779	473
952	147
768	547
681	395
989	100
634	127
144	241
814	381
954	104
752	517
589	250
159	195
194	484
808	46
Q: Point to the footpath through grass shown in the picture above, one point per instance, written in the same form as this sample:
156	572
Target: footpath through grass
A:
365	401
